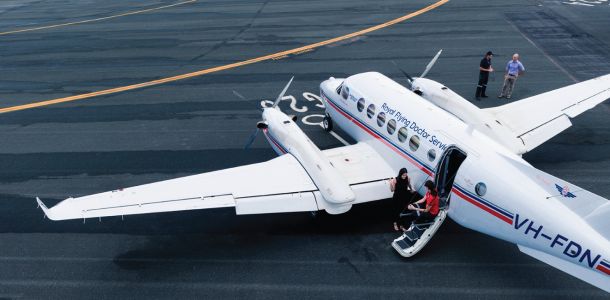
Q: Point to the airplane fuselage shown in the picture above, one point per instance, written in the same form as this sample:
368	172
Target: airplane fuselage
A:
519	203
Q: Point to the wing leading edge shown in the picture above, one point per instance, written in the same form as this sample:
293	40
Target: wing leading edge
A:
236	187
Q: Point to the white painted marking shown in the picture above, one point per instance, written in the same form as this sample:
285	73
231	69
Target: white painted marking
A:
578	3
293	104
312	97
337	136
305	120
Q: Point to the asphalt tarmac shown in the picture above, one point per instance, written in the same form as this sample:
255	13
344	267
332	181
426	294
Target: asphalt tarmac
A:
197	125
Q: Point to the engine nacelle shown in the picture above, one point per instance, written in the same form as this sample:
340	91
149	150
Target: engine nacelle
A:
448	100
284	133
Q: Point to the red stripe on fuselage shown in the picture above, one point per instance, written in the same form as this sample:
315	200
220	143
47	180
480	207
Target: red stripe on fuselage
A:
603	269
380	139
483	207
271	139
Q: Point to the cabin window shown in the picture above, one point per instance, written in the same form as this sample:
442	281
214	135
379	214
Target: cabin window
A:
402	134
431	155
381	119
481	189
361	105
414	143
391	126
345	92
370	112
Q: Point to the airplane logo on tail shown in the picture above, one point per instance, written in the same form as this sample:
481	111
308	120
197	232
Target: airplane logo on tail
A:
565	191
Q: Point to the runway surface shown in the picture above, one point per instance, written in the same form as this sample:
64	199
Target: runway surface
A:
197	125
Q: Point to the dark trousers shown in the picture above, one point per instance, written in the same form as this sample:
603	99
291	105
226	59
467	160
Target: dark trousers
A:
482	85
397	207
418	216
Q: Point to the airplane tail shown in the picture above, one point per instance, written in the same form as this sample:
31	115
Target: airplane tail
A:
593	209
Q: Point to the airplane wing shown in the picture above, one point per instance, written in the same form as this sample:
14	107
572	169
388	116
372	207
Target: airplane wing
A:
278	185
536	119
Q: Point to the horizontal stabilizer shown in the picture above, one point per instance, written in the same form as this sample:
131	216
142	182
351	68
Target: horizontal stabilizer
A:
593	277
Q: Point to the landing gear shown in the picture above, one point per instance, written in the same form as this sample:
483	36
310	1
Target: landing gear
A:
328	123
319	214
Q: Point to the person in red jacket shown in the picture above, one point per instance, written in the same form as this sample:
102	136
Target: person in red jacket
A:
427	213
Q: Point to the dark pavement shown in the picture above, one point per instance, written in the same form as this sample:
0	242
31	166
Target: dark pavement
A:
197	125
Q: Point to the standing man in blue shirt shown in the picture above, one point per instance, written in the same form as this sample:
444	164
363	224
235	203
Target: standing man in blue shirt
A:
484	69
513	70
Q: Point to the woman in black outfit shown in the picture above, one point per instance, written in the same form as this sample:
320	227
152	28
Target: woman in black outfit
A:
401	186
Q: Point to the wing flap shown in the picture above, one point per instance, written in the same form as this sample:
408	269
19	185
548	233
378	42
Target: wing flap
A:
293	202
359	163
536	137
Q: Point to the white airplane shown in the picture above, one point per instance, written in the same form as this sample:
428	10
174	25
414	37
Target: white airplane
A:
473	155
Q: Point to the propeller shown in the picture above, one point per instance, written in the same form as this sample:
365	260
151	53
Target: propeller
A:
277	101
403	72
263	124
251	140
240	96
430	64
422	74
259	125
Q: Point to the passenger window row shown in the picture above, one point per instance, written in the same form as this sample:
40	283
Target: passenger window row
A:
391	127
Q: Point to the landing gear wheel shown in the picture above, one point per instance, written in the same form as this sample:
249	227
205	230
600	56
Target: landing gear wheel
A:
328	123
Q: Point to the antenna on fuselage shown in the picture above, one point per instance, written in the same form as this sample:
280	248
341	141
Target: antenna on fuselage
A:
430	64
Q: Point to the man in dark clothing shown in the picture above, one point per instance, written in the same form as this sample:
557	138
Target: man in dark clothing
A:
484	69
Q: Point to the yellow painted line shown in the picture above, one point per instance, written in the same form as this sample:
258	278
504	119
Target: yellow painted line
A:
146	84
80	22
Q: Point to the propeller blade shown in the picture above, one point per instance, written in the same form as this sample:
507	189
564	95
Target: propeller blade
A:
251	140
430	64
403	71
409	79
282	94
240	96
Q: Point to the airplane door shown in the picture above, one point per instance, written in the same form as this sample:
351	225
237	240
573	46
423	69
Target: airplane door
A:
453	160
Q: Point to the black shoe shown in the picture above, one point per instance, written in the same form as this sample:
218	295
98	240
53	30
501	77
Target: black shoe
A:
479	99
484	96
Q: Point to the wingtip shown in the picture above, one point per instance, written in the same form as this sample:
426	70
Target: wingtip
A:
44	207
